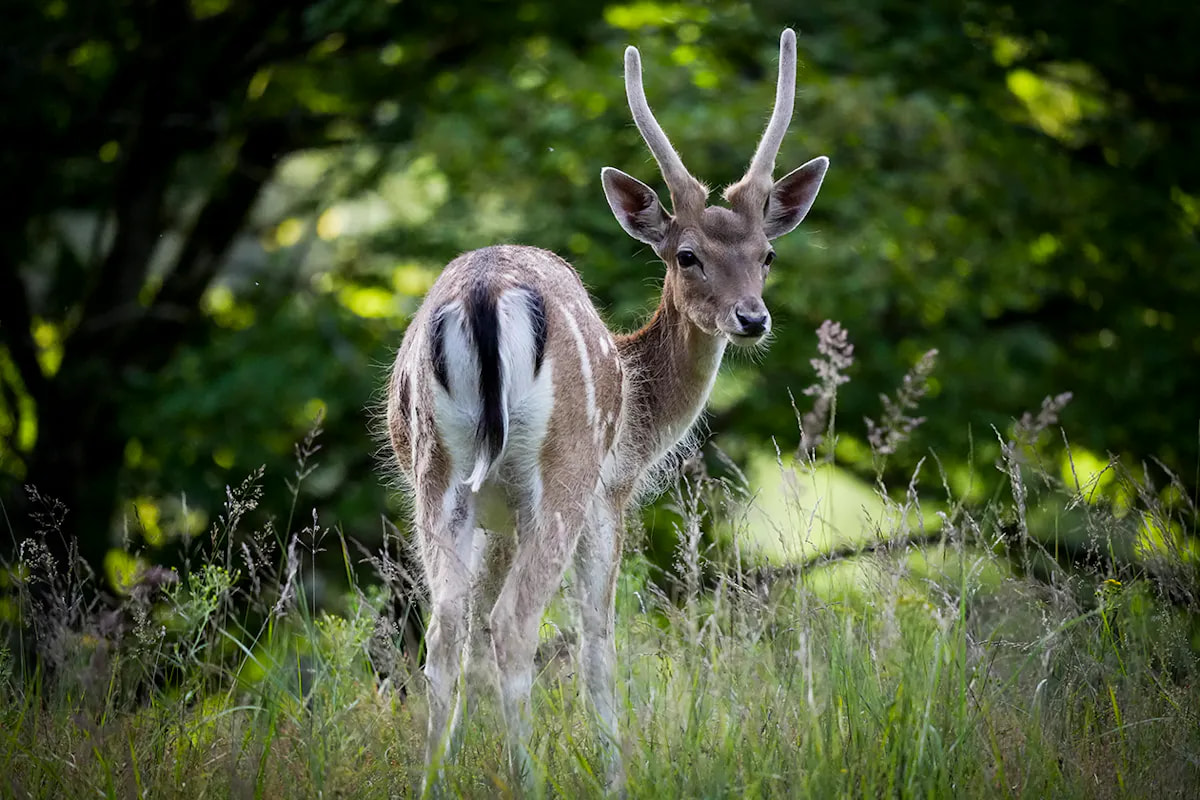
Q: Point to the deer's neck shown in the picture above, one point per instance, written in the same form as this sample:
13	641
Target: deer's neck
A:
674	365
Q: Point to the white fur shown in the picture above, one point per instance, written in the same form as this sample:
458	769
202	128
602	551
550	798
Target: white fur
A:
457	411
517	347
529	399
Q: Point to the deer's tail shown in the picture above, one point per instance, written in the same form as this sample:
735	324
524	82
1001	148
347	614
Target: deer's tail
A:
487	351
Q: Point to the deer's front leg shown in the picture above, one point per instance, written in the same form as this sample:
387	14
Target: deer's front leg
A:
597	562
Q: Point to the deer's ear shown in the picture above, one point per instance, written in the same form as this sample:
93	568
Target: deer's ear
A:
636	206
792	197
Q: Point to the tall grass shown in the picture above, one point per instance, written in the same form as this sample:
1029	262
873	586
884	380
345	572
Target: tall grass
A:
969	662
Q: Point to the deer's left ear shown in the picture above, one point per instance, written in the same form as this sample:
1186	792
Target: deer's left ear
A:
792	197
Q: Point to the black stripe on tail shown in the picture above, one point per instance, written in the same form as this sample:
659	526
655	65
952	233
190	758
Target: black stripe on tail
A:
485	330
537	319
437	348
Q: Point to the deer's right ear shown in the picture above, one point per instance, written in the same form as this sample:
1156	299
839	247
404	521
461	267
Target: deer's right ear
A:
635	206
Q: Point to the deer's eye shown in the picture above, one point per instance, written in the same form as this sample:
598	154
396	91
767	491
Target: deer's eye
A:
770	257
687	259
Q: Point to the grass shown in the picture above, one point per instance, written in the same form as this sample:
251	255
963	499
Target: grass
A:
966	663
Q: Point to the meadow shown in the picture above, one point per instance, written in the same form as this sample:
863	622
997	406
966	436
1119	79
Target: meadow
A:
226	214
954	649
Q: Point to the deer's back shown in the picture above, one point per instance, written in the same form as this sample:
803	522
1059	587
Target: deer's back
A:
559	366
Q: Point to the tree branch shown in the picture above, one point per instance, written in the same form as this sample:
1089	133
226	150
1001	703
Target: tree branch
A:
759	578
1175	581
206	247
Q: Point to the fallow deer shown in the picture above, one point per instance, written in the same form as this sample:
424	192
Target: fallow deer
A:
512	408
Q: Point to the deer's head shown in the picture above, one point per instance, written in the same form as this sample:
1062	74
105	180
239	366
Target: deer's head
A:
717	258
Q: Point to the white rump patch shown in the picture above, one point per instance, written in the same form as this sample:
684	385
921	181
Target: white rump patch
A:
528	398
457	410
525	399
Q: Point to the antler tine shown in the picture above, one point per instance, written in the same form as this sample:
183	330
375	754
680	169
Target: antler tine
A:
680	182
763	164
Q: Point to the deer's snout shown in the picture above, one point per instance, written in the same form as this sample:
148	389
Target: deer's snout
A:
751	318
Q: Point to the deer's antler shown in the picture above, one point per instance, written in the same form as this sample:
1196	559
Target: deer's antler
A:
751	192
685	189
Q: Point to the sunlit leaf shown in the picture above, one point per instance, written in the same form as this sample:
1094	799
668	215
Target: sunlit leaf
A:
369	302
122	569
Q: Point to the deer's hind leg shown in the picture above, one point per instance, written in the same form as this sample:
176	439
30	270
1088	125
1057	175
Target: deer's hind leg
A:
449	551
498	549
546	540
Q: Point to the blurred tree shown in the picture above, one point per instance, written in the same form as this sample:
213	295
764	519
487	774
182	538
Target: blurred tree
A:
141	136
228	211
1041	227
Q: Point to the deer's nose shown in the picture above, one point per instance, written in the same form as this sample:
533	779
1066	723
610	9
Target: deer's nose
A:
752	317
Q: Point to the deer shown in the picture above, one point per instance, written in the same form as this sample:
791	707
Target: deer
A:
523	427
